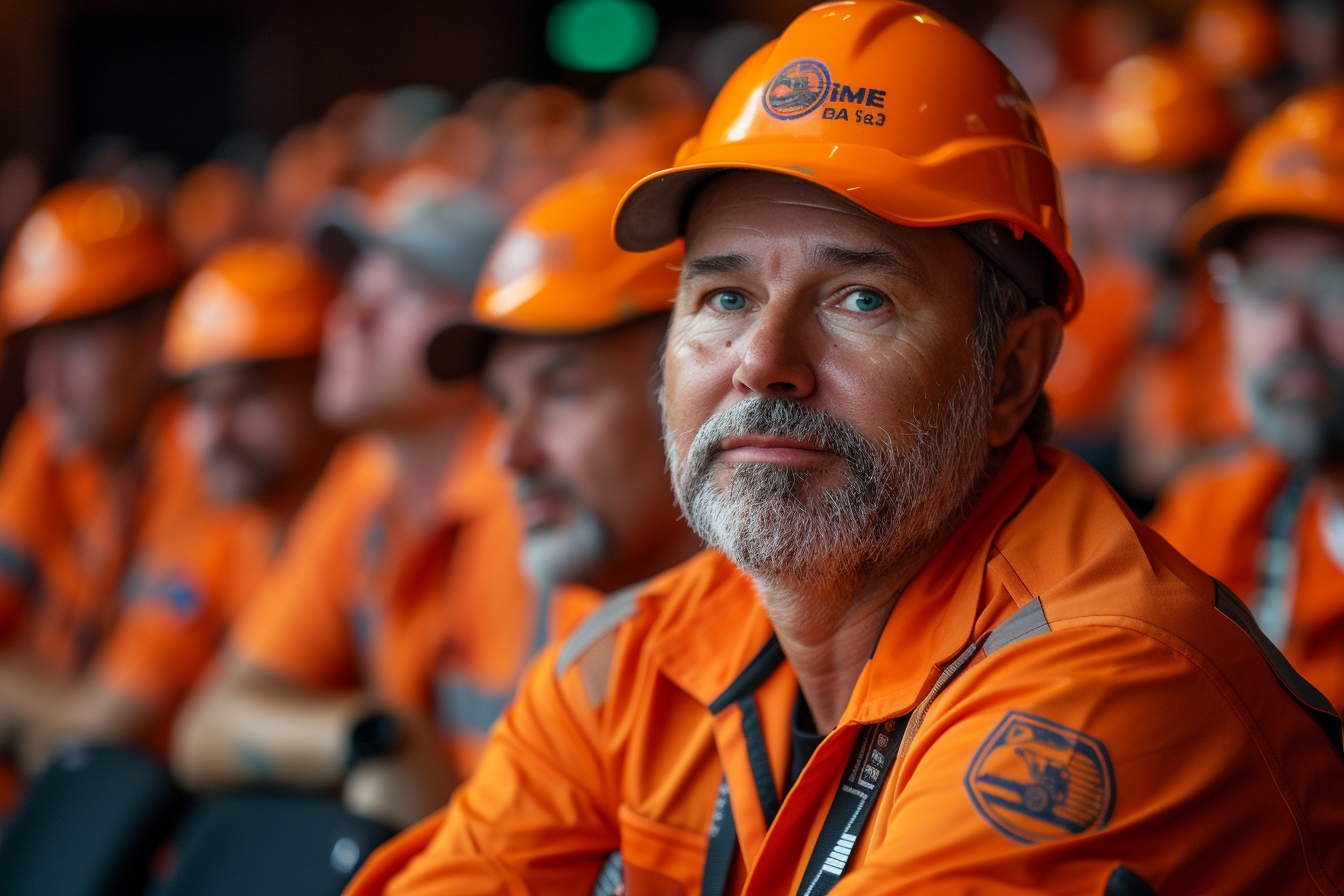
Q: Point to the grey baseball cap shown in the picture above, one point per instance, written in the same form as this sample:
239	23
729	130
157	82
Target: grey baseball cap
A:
443	227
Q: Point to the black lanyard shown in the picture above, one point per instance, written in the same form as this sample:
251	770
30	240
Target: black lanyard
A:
1277	558
869	763
723	828
871	759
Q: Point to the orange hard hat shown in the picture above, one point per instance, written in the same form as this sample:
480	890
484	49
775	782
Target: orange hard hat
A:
211	205
1233	38
258	299
1291	165
556	271
88	246
897	109
1159	109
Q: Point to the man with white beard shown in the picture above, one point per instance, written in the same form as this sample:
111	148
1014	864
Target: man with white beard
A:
573	326
929	654
1268	519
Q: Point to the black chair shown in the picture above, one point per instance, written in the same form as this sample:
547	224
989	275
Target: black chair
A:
266	844
90	825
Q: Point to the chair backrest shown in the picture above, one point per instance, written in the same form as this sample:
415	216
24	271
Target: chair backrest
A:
90	825
266	844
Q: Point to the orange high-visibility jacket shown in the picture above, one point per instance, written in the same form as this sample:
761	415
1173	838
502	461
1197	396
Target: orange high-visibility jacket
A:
70	529
1217	515
1071	696
440	621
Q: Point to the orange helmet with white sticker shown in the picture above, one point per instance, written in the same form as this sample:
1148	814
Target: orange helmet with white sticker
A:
892	106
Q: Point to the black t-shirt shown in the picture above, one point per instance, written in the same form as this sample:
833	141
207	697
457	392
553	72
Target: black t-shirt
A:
805	739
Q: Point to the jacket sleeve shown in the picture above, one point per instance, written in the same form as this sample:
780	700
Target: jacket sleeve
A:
1049	765
538	816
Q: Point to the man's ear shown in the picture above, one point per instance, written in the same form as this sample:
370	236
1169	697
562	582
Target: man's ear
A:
1027	353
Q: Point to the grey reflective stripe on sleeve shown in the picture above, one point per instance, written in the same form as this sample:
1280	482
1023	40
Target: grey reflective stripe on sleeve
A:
1029	620
459	706
617	608
1231	606
20	567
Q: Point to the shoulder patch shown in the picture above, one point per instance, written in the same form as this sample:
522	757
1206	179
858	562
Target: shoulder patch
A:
617	608
1036	781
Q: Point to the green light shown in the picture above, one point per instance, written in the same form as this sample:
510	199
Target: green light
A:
601	35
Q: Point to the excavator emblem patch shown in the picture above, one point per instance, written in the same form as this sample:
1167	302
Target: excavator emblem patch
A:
1037	781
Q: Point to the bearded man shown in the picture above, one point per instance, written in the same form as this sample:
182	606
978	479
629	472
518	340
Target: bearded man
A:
929	654
1269	519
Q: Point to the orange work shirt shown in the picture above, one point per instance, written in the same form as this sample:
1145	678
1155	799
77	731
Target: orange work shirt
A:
440	621
1217	514
1058	693
178	598
1100	344
69	526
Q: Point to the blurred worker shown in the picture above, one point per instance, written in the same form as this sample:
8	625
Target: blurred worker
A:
242	337
1057	702
1153	133
393	627
576	325
92	468
1269	521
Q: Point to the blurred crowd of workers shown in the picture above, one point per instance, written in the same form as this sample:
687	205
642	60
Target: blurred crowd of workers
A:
315	460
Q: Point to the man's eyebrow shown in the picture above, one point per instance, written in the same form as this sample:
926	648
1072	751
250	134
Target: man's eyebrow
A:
716	264
556	365
840	256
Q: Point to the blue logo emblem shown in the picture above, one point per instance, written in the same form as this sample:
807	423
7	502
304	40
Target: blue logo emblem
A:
1036	781
800	87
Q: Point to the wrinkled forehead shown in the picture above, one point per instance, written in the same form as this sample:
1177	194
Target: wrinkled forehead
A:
753	200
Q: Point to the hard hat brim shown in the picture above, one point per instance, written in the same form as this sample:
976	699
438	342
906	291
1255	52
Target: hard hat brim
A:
654	211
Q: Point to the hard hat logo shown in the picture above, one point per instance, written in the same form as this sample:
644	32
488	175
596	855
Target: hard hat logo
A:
799	88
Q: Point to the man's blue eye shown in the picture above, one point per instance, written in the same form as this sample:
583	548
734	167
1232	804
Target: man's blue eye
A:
729	301
864	300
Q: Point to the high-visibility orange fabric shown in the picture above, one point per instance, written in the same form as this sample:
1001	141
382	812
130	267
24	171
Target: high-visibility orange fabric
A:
69	528
440	622
1182	394
1216	513
1100	343
1223	782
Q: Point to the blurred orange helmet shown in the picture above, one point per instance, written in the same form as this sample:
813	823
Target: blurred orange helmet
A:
88	246
894	107
1291	165
556	271
212	204
259	299
1233	38
1159	109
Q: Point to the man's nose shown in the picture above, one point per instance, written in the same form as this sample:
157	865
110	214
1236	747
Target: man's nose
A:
521	450
775	360
1300	321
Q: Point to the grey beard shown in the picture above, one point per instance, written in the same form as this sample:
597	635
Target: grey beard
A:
562	555
1303	432
777	525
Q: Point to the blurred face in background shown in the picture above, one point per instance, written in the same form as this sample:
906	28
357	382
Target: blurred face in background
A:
254	429
372	372
581	433
96	377
1284	291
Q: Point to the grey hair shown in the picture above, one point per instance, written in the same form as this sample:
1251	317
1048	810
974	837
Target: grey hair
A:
999	302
